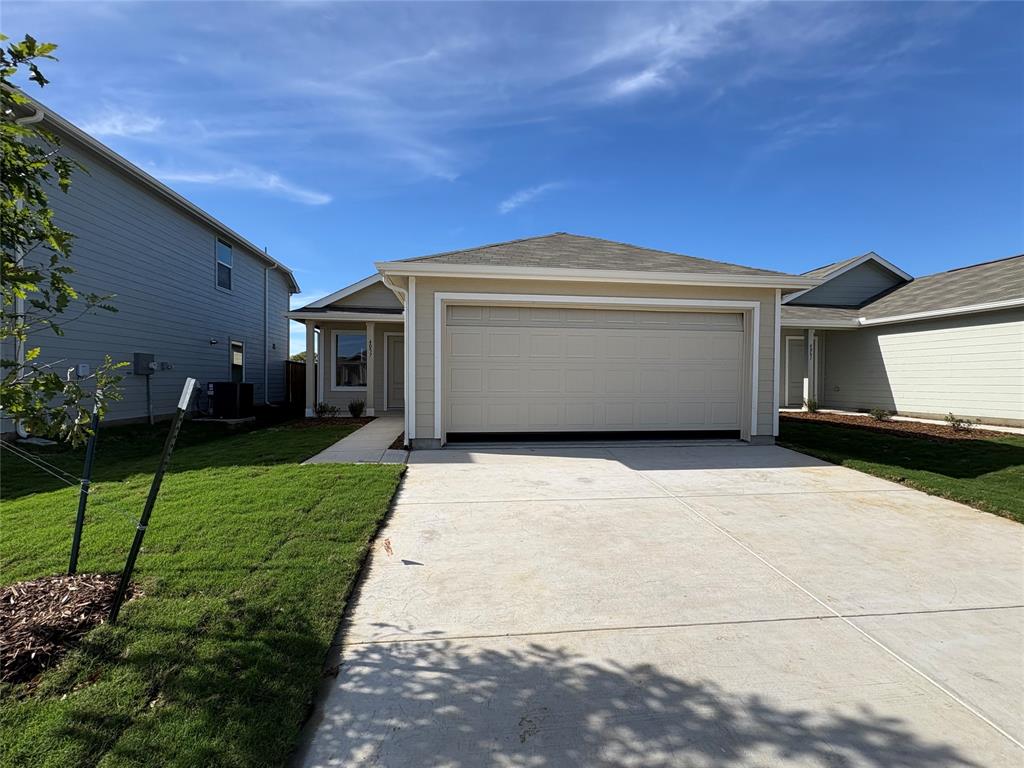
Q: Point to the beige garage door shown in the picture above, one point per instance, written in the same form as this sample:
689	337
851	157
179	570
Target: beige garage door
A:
541	369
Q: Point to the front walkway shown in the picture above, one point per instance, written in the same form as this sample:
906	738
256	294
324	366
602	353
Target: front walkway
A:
713	605
370	444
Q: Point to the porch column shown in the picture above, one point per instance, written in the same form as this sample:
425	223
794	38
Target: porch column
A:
811	377
369	367
310	369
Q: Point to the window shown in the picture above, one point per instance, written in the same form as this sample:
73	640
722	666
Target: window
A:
349	359
237	362
224	263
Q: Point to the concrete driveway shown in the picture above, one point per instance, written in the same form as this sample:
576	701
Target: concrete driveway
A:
677	605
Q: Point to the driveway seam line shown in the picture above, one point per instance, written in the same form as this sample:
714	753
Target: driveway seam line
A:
842	617
676	625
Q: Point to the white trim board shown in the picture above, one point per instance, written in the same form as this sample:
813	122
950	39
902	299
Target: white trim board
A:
750	309
391	268
950	311
410	361
777	336
378	317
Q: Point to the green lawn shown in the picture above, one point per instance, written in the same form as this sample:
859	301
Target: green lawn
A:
987	474
246	566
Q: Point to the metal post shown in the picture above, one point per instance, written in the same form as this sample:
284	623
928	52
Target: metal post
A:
83	494
154	489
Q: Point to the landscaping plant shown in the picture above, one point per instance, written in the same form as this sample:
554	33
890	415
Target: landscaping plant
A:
959	423
881	414
355	408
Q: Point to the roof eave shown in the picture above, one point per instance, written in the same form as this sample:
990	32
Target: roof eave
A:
77	134
489	271
298	314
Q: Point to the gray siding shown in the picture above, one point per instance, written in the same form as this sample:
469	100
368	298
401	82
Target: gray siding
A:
852	288
972	365
160	264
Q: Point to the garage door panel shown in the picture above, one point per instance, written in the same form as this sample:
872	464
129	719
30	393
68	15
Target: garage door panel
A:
517	371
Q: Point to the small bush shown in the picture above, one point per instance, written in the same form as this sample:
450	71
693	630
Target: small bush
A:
880	414
326	411
356	408
811	405
959	423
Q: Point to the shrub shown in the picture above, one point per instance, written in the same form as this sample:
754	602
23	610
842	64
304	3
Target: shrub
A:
959	423
811	405
326	411
356	408
880	414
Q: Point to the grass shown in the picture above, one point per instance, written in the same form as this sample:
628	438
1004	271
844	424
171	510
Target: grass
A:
986	474
246	567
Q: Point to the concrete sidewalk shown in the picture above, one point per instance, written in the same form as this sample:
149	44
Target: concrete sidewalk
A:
711	606
370	444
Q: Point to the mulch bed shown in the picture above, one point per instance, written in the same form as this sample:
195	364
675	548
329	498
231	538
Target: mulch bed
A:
40	620
901	428
333	422
398	443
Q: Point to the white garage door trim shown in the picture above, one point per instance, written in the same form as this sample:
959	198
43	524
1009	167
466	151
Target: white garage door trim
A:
751	309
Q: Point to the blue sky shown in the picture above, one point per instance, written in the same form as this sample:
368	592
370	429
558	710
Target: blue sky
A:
783	136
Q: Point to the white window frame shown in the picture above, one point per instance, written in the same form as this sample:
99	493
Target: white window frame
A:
334	359
217	242
231	358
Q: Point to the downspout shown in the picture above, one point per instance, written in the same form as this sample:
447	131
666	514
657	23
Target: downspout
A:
266	332
19	303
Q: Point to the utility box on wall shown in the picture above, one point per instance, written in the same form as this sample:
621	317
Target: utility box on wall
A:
143	364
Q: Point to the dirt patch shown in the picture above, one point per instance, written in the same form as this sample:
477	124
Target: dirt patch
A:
903	428
41	620
398	443
334	422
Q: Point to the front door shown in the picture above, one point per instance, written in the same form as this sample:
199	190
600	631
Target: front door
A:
396	372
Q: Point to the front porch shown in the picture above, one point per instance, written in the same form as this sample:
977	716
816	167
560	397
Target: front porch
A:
355	359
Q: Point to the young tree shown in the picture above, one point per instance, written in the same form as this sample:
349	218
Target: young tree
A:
36	293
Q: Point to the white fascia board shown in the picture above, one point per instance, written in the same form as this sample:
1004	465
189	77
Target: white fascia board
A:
339	315
366	282
594	275
870	256
990	306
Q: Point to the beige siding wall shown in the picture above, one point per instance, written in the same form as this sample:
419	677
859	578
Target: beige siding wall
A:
972	365
427	287
343	398
375	296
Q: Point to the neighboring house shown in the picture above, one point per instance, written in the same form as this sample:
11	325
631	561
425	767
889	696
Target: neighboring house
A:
871	336
200	298
555	334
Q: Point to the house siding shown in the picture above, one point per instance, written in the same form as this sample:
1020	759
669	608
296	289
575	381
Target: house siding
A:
972	365
376	296
426	287
852	288
159	263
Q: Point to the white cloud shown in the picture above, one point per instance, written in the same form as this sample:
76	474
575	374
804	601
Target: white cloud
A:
246	178
123	123
524	196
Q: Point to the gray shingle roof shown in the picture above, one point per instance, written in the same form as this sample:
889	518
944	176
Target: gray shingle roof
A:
793	314
991	281
977	284
562	250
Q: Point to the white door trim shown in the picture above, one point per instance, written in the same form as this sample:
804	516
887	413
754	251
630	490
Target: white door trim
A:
752	309
387	359
776	362
789	339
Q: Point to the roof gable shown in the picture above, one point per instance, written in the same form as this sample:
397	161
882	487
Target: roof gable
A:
562	250
370	293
